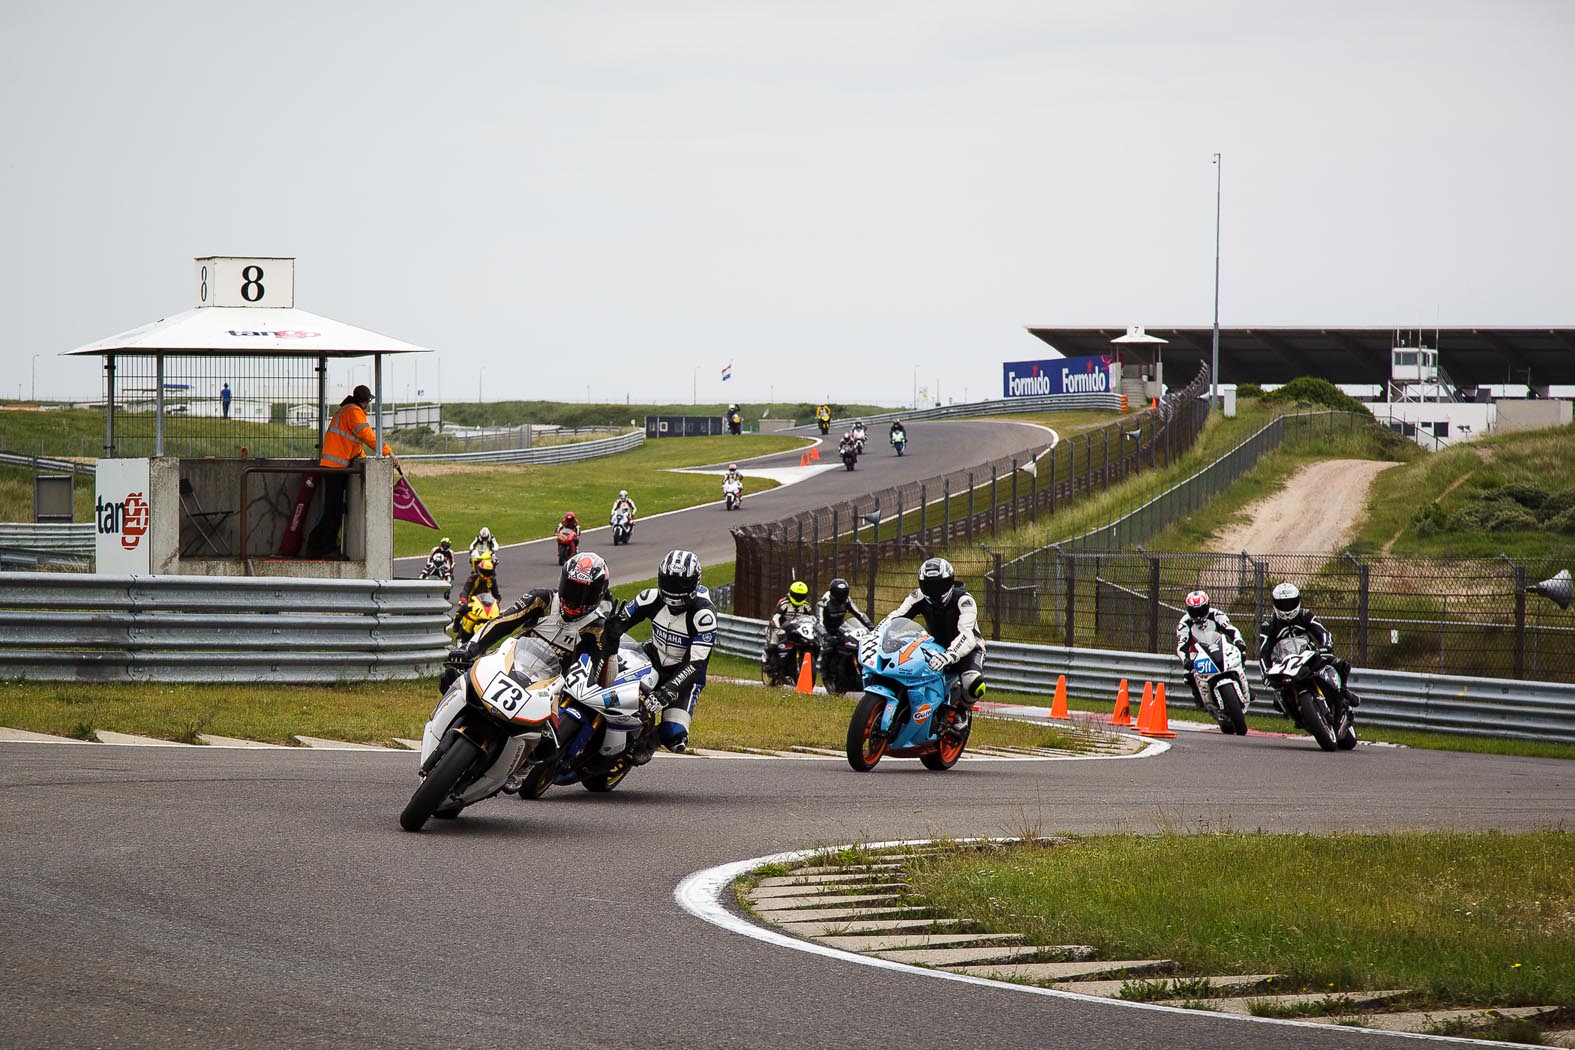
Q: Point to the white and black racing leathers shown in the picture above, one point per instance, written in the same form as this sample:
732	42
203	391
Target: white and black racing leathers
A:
1184	643
954	622
679	649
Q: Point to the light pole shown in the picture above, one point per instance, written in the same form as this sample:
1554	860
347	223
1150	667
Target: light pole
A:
479	377
1214	367
34	396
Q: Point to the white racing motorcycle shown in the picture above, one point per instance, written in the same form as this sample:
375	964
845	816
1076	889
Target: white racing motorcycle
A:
1221	681
732	492
507	710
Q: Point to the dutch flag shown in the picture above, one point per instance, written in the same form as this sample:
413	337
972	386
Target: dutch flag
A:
727	373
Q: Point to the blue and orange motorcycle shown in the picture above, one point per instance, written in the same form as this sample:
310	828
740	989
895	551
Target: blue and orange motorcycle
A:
909	709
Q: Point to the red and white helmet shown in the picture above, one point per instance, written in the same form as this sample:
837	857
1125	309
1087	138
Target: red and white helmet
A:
1198	606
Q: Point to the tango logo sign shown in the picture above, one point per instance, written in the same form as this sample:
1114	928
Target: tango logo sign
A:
127	518
1068	375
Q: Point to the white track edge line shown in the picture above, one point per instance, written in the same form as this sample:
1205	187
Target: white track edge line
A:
700	894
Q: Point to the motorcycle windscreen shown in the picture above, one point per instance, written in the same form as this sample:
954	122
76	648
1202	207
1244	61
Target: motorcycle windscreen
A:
901	635
534	660
1288	646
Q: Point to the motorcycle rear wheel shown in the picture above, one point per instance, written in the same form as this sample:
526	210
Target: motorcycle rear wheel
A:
1315	719
438	784
861	755
606	781
539	780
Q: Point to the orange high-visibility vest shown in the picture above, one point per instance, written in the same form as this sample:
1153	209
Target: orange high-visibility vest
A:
346	434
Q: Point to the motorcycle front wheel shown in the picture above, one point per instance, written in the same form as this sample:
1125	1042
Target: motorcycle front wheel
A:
1345	739
606	781
862	754
1230	700
438	784
1315	719
538	780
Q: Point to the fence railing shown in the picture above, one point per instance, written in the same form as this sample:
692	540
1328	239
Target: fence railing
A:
571	453
1445	704
218	629
64	538
850	538
40	464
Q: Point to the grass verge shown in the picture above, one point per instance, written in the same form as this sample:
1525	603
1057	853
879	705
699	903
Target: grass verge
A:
1464	918
525	501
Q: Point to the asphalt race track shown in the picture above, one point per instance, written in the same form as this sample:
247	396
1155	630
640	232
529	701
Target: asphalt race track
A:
934	448
203	897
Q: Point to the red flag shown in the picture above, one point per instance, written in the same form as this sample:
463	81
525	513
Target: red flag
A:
408	505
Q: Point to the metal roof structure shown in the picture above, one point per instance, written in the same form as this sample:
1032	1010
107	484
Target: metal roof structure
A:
1472	357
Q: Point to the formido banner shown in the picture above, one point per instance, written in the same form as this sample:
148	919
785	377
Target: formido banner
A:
1061	375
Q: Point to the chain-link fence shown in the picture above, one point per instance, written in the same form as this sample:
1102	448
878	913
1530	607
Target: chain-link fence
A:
966	506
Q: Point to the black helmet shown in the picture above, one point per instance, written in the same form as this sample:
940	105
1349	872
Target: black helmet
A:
678	578
1198	606
582	585
838	589
445	544
936	578
1287	601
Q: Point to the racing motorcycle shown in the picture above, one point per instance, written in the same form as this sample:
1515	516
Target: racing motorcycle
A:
440	567
622	527
603	731
850	453
568	542
732	493
480	611
785	655
491	719
859	436
909	709
899	441
825	424
482	578
839	662
1307	688
1221	681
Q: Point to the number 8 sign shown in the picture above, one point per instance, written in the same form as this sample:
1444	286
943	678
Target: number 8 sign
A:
224	280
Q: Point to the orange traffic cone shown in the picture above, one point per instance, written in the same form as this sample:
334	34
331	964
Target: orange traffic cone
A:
806	676
803	459
1058	705
1159	722
1145	707
1122	715
814	454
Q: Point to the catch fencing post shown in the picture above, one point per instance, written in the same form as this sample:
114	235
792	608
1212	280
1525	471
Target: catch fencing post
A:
869	598
1070	575
1104	459
899	517
970	508
1519	580
835	550
946	510
1014	492
995	619
1052	480
994	510
1033	492
1363	595
924	506
1071	471
1153	600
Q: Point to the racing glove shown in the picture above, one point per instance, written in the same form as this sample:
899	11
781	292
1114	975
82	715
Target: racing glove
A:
939	661
463	655
655	701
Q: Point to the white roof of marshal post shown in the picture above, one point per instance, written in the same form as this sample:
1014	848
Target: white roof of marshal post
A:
1135	334
243	331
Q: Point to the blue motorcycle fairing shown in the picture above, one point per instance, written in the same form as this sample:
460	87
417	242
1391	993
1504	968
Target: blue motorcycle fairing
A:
899	669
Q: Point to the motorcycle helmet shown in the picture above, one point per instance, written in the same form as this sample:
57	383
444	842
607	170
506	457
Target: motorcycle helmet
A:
571	520
1198	606
678	578
484	534
838	589
623	493
484	563
936	579
1287	601
444	544
798	594
732	468
582	584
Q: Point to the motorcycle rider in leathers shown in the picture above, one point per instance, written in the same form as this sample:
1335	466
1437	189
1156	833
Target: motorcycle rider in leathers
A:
572	619
834	607
1290	614
683	630
952	618
1198	614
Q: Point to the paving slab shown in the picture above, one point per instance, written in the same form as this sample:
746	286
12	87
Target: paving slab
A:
407	743
1241	1004
833	869
959	957
761	893
1422	1020
27	736
786	904
894	941
1061	972
336	745
214	740
851	926
109	736
786	917
795	879
1219	984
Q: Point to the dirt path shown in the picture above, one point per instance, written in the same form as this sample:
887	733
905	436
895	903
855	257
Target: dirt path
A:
1318	510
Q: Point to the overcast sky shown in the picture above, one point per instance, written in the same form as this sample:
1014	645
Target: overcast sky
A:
610	195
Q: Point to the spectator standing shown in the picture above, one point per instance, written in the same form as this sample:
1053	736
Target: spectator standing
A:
224	400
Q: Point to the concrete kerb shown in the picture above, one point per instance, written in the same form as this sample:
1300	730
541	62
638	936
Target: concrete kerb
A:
700	894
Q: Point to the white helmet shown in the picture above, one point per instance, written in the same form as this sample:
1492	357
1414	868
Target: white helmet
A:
485	533
732	468
623	493
1287	601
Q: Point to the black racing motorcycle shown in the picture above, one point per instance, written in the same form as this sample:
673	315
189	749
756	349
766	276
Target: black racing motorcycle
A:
784	655
1307	687
839	660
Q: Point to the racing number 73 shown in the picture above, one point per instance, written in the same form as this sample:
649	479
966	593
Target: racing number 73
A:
504	694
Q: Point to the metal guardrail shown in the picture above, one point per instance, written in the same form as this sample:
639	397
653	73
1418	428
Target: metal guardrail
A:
572	453
74	538
218	629
1008	406
41	463
1493	707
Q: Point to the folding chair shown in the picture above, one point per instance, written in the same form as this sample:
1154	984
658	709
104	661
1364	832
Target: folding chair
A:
207	522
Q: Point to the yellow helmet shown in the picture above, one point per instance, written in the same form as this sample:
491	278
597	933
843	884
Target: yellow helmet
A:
798	593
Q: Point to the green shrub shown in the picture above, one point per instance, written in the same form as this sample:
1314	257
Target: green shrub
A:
1310	390
1244	390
